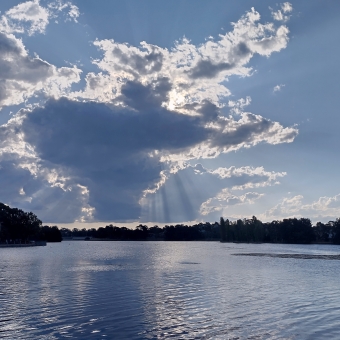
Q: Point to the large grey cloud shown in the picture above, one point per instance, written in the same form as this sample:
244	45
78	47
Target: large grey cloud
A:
146	97
115	151
106	149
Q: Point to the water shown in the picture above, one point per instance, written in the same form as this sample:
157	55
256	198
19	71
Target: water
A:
161	290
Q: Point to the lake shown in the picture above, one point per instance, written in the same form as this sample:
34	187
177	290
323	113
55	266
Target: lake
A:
161	290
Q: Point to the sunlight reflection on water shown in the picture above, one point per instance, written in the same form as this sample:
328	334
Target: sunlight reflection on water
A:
158	290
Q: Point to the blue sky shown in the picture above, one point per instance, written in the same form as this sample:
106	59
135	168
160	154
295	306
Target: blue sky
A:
169	112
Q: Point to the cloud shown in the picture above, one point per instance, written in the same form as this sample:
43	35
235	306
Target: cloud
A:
278	88
287	7
116	150
196	73
226	199
103	149
323	208
28	16
145	97
207	69
71	12
22	76
281	14
255	174
20	188
192	192
232	134
31	18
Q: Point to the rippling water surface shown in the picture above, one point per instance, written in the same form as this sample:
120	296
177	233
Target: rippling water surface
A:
160	290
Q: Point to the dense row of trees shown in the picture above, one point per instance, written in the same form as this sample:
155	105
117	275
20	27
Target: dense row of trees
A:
50	234
291	230
180	232
17	226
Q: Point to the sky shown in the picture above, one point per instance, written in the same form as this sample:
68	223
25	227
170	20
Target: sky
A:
164	112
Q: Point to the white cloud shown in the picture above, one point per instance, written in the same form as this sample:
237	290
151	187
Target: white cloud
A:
232	134
28	16
238	105
250	172
243	178
70	11
288	207
323	208
196	73
73	12
22	76
281	14
278	88
226	199
287	7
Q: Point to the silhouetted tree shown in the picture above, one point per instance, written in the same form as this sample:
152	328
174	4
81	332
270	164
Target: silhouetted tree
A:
17	224
51	234
336	229
223	230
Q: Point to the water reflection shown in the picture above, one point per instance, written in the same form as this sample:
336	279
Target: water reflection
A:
158	290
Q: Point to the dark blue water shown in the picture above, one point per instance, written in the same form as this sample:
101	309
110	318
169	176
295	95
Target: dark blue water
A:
161	290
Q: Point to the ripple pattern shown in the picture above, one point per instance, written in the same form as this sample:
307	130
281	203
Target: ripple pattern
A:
163	290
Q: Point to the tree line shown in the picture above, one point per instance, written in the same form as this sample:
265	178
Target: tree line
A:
18	226
290	230
179	232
